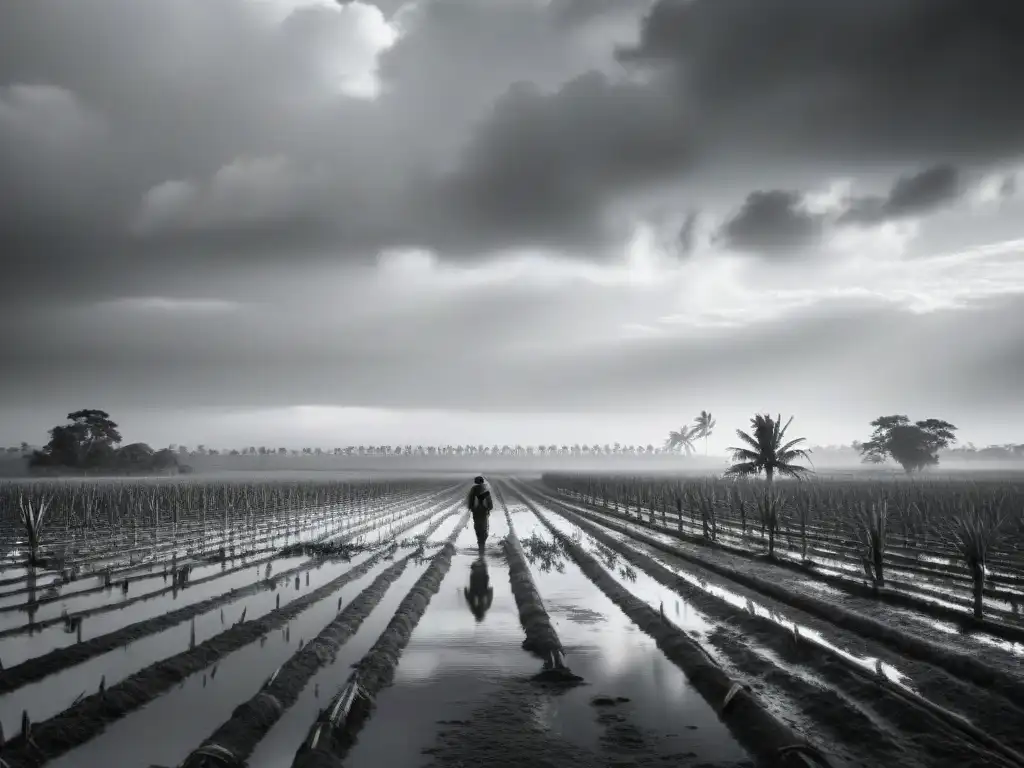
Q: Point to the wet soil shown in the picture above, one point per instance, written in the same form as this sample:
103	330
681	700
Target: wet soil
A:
752	639
1006	657
82	722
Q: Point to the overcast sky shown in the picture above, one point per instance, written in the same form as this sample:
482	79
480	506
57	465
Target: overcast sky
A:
294	222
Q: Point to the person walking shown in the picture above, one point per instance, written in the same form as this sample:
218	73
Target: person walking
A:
480	504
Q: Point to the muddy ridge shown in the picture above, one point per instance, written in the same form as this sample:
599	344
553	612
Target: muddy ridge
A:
541	637
961	665
996	628
754	727
83	721
59	659
251	720
376	670
40	625
930	735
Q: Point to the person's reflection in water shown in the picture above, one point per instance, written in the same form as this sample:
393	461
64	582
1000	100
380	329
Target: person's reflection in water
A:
479	594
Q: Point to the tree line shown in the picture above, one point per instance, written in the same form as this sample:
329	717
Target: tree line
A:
91	441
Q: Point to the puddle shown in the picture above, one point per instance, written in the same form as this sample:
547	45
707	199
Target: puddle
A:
12	647
17	648
445	529
638	583
868	663
53	694
914	584
467	642
618	660
278	747
167	729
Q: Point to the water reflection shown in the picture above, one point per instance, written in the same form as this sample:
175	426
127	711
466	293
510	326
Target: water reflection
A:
479	594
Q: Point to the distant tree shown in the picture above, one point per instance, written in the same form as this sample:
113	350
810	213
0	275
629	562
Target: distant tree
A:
164	459
705	425
89	439
135	456
767	450
912	446
681	441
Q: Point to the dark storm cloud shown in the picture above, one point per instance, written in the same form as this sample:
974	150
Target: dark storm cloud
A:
872	80
549	163
139	119
763	87
772	222
911	195
457	155
776	222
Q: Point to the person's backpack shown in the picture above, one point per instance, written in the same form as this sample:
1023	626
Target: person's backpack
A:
483	502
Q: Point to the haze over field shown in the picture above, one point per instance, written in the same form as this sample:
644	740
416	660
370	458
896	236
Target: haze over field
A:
293	222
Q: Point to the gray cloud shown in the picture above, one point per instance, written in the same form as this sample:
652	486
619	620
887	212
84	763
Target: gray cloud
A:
194	149
1008	188
911	195
801	364
245	148
688	233
548	164
777	222
872	81
772	222
499	128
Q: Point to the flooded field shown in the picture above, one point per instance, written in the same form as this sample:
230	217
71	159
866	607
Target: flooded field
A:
322	617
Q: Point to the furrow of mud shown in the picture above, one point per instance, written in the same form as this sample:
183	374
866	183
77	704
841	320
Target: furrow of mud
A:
915	732
768	739
968	668
361	528
253	719
155	568
83	721
59	659
1001	627
377	668
541	637
167	540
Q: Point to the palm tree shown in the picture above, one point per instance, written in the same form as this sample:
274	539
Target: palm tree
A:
681	441
767	451
705	425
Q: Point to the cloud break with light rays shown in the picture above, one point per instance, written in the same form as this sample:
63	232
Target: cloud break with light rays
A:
463	220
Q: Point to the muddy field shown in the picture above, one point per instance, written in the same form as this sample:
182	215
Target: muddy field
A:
356	622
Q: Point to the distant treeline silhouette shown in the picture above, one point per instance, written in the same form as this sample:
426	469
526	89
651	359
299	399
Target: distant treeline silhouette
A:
90	442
